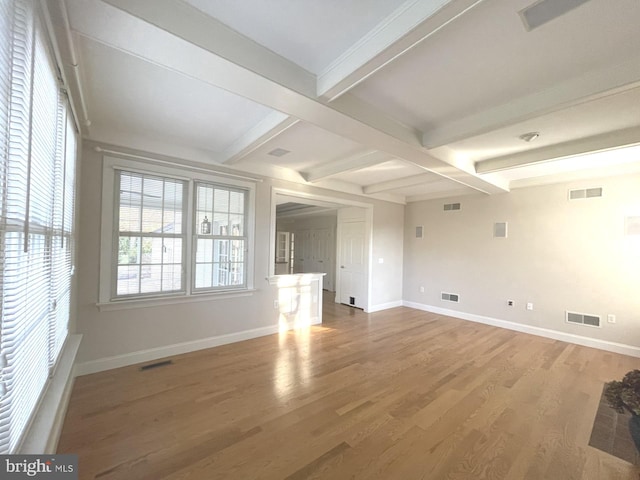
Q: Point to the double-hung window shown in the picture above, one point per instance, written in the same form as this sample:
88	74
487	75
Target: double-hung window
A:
173	233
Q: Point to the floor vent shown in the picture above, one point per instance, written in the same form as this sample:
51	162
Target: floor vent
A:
585	193
450	297
164	363
451	206
583	319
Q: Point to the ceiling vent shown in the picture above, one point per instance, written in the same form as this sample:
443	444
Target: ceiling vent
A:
450	297
583	319
451	206
279	152
544	11
585	193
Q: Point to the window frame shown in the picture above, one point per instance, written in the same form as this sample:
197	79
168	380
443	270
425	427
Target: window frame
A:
107	295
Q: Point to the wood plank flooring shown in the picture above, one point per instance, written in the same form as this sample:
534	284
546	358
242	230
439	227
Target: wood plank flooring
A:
398	394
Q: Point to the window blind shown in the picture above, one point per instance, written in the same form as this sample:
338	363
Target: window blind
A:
37	174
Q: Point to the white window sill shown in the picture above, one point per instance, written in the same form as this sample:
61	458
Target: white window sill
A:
160	301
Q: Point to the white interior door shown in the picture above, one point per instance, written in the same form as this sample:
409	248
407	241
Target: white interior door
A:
352	263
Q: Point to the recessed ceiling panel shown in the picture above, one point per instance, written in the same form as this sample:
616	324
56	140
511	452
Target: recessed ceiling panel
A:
130	95
308	146
310	33
487	58
607	114
391	170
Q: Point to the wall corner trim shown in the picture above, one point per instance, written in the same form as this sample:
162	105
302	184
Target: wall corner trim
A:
117	361
384	306
620	348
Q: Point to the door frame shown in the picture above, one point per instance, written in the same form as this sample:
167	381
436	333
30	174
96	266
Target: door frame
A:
329	201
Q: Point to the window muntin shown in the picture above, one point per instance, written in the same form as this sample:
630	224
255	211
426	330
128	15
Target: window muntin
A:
220	237
150	251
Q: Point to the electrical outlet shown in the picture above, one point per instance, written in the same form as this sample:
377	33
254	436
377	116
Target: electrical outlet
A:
275	304
529	306
380	260
611	318
421	289
510	303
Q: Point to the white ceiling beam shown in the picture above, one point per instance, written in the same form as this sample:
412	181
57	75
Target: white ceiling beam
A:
181	43
270	127
399	183
187	22
597	84
440	194
410	24
605	141
343	165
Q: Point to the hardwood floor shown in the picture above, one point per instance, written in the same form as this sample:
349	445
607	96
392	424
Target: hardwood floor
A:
398	394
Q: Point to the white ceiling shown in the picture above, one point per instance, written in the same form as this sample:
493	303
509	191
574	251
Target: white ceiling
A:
395	100
309	33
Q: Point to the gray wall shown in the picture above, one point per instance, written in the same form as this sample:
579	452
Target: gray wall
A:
114	333
560	255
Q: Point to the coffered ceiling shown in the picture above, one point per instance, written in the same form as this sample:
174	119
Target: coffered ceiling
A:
399	100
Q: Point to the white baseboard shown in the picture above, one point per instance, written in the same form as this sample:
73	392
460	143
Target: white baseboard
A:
384	306
45	429
107	363
542	332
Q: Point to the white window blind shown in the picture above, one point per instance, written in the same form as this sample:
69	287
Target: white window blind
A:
37	174
151	238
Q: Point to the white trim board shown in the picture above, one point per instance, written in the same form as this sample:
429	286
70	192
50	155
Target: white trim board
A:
44	432
384	306
541	332
108	363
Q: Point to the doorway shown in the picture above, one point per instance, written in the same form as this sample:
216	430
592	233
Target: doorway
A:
314	246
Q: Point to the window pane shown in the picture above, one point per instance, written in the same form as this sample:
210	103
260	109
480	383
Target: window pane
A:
151	250
150	278
221	224
236	274
203	275
172	220
221	200
128	250
236	202
130	202
152	203
204	207
172	251
128	280
237	251
171	277
237	225
204	250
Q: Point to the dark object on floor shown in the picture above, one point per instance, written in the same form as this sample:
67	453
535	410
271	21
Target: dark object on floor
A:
612	432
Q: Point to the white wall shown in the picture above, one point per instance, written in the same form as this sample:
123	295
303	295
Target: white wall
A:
560	255
152	330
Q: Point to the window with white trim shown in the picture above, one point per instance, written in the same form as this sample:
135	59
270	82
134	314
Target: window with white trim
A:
37	194
176	233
